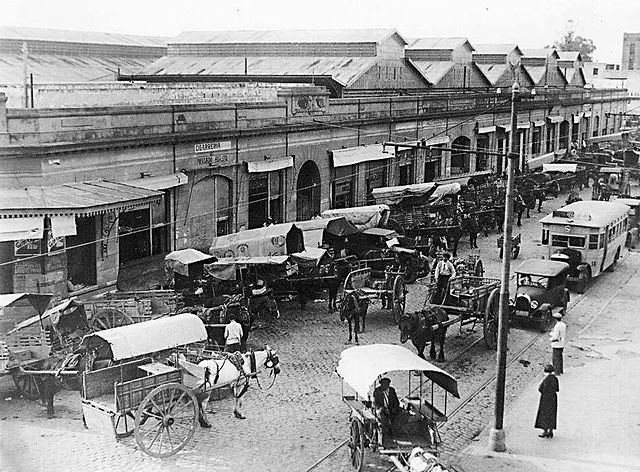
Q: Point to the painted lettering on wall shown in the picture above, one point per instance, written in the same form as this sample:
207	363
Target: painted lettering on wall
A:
214	146
213	160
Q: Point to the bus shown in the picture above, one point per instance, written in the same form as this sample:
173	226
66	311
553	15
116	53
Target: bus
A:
589	235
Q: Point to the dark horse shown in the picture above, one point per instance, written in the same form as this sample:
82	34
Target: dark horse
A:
418	327
330	277
353	307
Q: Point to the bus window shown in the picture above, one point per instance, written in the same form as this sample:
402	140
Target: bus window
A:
559	241
593	241
602	235
577	242
545	236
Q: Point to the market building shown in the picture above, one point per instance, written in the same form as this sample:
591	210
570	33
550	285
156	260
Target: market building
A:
193	155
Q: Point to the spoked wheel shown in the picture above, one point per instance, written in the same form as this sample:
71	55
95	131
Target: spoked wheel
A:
356	444
546	321
110	318
125	425
398	298
166	420
490	326
27	385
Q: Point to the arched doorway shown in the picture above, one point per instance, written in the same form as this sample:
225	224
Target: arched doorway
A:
460	157
565	134
308	192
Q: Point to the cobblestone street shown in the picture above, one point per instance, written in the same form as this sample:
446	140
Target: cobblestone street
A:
301	419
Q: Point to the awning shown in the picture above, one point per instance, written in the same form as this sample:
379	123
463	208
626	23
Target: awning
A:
16	229
179	261
438	140
587	114
487	129
525	125
270	165
555	119
394	195
541	160
358	154
78	199
161	182
63	226
615	137
539	123
559	167
138	339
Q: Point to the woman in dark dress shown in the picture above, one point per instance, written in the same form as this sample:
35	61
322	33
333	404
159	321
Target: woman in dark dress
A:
548	408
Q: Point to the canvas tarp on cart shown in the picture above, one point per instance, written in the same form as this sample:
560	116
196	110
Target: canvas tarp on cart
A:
274	240
371	216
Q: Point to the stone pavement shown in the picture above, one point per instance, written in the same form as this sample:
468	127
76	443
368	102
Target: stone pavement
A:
598	413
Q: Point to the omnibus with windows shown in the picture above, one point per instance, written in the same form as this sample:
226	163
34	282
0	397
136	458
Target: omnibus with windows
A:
588	235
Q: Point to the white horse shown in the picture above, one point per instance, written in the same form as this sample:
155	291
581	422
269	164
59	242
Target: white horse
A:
226	370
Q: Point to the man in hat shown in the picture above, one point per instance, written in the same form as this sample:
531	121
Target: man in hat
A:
444	271
558	338
386	403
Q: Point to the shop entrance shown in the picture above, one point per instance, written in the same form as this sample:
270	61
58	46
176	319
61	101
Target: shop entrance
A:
81	253
134	235
308	192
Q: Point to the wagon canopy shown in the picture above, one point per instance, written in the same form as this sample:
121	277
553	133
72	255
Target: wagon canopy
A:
179	261
443	191
609	138
541	160
274	240
559	167
17	307
144	338
360	366
370	216
227	267
66	316
398	194
315	229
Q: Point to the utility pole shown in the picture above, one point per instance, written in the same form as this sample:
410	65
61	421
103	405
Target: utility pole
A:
497	434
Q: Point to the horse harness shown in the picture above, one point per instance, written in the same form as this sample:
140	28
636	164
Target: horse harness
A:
423	324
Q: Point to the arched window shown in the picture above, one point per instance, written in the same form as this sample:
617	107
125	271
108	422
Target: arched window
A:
460	156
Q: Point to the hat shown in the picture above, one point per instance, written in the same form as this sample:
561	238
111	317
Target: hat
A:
549	368
385	380
557	315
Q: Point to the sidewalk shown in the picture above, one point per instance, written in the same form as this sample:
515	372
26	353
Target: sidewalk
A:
598	407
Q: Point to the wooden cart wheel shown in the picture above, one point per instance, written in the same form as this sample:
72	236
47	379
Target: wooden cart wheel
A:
356	444
166	420
490	326
398	298
110	318
125	425
27	385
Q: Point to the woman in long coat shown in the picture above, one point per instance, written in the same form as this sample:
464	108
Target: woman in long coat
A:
548	407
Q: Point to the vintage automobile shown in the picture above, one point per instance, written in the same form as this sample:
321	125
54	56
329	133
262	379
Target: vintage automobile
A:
541	291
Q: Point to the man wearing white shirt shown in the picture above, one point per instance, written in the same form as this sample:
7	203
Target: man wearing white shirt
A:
232	336
444	271
558	338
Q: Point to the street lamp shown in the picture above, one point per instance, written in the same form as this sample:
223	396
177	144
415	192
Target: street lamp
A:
497	434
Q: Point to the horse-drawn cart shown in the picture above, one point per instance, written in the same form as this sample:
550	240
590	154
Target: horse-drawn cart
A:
406	433
390	290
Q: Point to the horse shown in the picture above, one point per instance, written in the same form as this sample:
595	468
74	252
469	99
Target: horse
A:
50	384
418	327
352	308
234	370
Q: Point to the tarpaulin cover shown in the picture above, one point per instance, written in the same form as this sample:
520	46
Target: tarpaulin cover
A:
361	366
139	339
310	254
363	217
274	240
226	268
443	191
394	195
179	261
559	167
314	229
358	154
541	160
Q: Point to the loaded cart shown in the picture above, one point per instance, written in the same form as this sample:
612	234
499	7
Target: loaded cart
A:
407	434
137	392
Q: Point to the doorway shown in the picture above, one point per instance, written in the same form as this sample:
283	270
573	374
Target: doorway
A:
308	192
81	255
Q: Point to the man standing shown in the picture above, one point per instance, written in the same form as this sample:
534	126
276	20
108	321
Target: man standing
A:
558	340
232	336
444	271
387	405
474	229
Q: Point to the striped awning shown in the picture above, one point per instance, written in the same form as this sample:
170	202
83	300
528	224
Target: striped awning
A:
78	199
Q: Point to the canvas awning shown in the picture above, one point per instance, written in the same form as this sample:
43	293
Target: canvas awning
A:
314	254
161	182
487	129
77	198
438	140
541	160
523	125
270	165
555	119
361	366
363	217
614	138
394	195
63	225
274	240
359	154
179	261
16	229
559	167
226	267
539	123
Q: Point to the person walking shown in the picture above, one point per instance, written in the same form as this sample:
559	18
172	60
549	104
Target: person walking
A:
474	229
558	340
444	271
546	419
233	335
519	207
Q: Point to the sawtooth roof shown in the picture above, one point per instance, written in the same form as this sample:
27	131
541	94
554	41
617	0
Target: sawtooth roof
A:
439	43
374	35
92	37
495	48
493	72
433	71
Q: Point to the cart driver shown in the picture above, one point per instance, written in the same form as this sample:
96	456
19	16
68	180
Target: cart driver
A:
444	271
386	404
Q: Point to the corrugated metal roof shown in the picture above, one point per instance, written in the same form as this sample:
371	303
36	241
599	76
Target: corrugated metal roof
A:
80	198
343	70
65	69
433	71
92	37
285	36
495	49
536	73
544	53
439	43
493	72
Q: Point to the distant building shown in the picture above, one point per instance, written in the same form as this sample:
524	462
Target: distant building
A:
631	51
500	63
542	66
571	65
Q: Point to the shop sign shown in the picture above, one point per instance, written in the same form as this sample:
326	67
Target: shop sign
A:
27	247
213	146
55	244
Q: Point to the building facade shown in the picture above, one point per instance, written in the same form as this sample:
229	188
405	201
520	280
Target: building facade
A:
631	51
